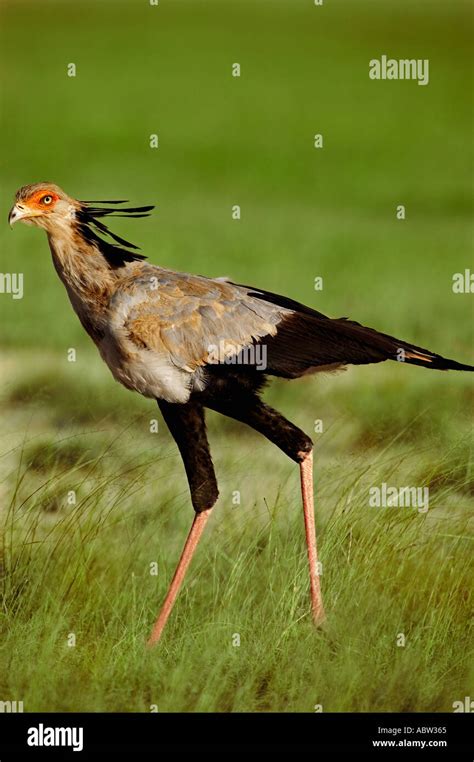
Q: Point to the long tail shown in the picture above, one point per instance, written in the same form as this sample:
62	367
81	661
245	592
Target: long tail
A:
305	343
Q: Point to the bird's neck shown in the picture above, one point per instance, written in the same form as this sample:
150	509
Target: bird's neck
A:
88	278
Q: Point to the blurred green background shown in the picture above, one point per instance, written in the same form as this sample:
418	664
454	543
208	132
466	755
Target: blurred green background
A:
249	141
331	212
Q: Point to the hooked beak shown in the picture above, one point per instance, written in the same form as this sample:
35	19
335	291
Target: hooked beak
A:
17	212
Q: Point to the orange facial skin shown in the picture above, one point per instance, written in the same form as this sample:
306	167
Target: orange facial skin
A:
40	200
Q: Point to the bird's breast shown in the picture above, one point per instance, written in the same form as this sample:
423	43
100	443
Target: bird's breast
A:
146	371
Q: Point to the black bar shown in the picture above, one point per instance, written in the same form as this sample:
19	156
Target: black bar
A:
443	734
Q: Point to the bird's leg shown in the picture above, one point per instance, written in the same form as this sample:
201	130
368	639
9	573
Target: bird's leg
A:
188	428
306	475
297	445
186	424
194	536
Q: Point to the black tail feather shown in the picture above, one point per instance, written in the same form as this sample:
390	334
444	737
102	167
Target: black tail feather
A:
304	343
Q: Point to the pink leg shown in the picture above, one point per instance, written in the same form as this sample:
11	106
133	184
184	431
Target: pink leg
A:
306	473
194	536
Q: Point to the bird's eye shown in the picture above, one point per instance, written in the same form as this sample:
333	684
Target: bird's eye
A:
47	199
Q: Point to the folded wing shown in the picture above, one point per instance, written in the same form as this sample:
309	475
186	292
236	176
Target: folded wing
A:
198	321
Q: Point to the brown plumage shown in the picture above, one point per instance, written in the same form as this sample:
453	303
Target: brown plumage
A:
192	342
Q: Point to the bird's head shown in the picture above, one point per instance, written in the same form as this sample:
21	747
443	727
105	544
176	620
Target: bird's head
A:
49	207
44	205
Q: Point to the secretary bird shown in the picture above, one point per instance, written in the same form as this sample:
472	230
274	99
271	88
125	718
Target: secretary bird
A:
191	343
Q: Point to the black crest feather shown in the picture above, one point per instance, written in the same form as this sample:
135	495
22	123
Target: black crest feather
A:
92	229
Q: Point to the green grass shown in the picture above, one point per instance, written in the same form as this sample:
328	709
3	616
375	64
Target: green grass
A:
84	568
